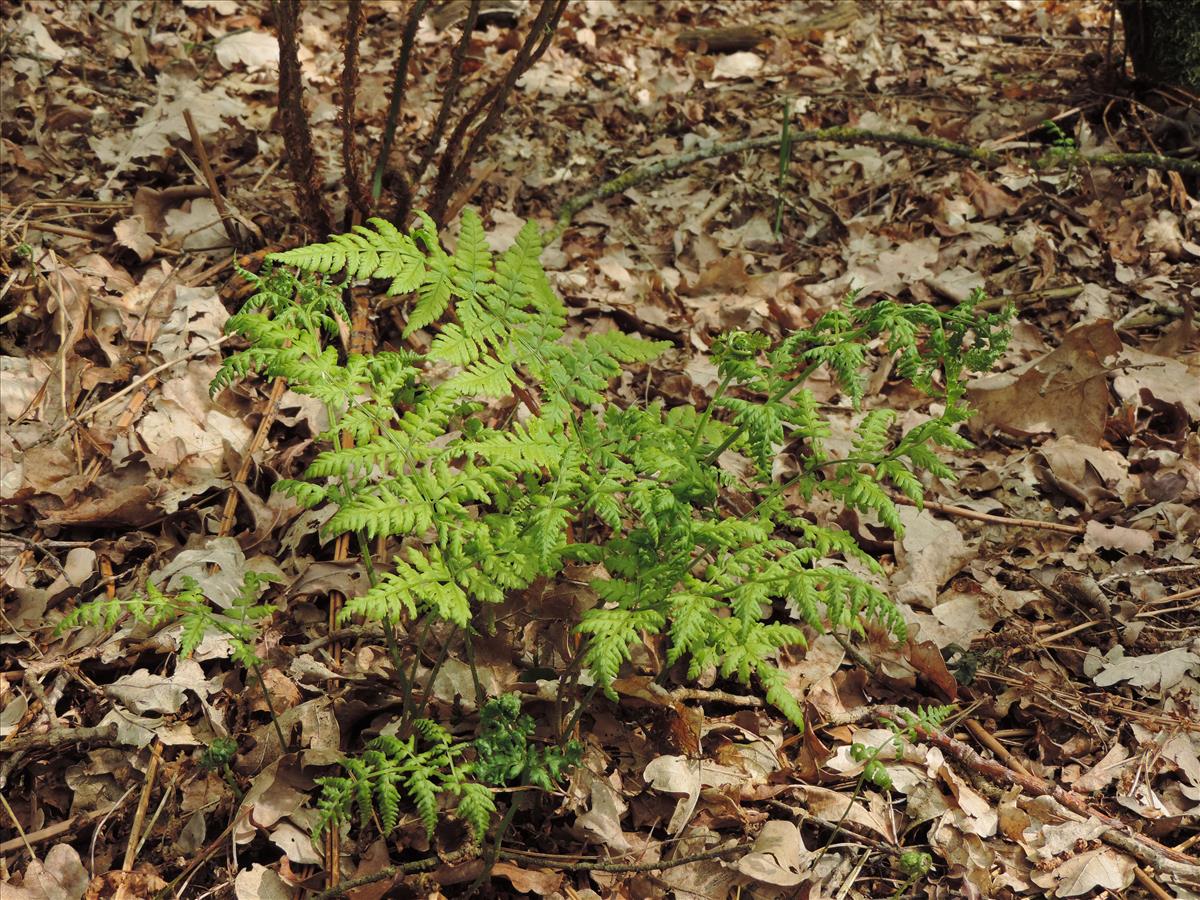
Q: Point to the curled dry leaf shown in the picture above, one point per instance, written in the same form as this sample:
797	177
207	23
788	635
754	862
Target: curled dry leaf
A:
779	856
60	877
1064	393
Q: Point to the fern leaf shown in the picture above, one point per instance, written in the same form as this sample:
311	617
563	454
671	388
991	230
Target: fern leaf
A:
488	377
434	292
387	800
424	796
476	807
396	507
399	258
472	261
612	632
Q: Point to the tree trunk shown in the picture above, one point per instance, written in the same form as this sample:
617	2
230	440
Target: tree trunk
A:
1162	38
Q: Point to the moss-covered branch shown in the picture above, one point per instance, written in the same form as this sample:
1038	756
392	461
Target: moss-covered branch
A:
844	135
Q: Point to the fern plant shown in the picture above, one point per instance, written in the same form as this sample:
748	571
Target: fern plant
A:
505	755
419	768
496	458
197	616
913	864
723	567
239	622
431	763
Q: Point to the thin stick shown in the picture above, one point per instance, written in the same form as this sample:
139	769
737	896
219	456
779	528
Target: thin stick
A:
211	179
204	854
1171	598
20	831
243	472
58	828
559	863
710	696
964	513
1066	292
139	816
988	740
1150	884
1144	848
69	232
79	418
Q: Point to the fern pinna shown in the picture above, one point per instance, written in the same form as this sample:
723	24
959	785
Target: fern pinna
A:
723	566
419	769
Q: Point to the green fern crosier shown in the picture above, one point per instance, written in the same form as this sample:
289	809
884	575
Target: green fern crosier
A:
504	754
721	566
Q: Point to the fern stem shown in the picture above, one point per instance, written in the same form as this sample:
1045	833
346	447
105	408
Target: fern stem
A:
433	673
778	489
707	414
493	855
407	711
480	693
396	101
393	648
779	395
580	709
858	789
283	742
364	552
785	160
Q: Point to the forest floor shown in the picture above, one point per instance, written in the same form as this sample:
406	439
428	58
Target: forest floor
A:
1052	591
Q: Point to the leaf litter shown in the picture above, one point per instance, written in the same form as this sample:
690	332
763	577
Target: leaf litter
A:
1073	656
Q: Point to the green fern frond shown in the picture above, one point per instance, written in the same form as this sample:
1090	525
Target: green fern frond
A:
393	508
384	252
489	499
871	436
612	632
196	615
476	807
472	262
392	771
424	796
486	377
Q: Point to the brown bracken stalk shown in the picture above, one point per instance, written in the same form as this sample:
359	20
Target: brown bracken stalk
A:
454	165
297	133
395	104
351	156
450	94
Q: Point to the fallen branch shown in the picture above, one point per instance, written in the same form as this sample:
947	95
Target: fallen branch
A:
843	135
61	737
963	513
1145	849
559	863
